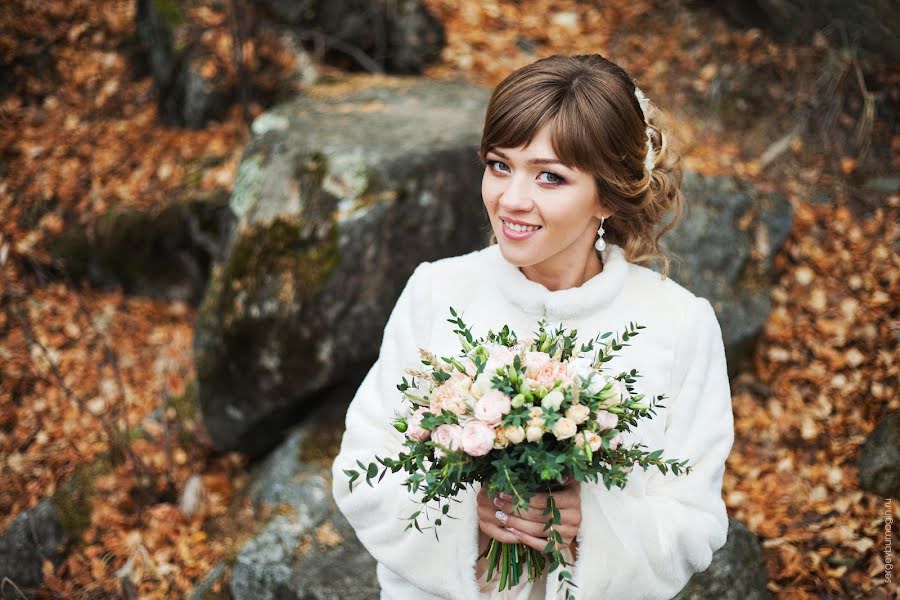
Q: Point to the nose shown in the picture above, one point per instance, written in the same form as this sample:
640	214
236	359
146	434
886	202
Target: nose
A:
516	197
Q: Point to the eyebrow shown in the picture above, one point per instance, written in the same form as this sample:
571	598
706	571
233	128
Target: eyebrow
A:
533	161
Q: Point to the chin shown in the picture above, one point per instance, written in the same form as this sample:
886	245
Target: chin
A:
515	256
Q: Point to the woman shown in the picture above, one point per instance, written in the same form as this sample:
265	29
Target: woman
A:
577	179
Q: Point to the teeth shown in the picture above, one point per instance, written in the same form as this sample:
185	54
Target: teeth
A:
516	227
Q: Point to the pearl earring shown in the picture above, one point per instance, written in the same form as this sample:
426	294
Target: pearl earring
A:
600	244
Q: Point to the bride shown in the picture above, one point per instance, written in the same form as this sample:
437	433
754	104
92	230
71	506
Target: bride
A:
578	178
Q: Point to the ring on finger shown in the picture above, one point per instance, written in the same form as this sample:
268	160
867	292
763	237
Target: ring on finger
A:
502	517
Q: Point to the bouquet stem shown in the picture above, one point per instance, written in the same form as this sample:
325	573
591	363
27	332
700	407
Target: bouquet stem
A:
512	561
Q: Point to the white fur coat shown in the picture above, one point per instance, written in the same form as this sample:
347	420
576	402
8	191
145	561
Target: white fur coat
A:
641	542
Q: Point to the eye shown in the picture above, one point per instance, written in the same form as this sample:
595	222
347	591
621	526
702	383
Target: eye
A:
558	179
490	163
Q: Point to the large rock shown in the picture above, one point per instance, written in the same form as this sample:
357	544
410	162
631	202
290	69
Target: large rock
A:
872	24
399	37
737	570
337	200
723	251
32	537
46	532
304	548
163	252
879	459
196	83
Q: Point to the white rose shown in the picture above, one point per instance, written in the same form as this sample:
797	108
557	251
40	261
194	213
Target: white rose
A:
564	428
552	400
481	386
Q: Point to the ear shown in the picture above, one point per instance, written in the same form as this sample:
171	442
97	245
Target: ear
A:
602	212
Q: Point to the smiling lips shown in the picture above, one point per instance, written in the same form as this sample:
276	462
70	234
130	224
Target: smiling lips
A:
515	231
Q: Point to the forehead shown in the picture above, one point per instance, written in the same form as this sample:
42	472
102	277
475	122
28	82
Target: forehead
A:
541	144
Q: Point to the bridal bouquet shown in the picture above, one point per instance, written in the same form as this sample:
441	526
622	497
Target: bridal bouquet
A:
518	417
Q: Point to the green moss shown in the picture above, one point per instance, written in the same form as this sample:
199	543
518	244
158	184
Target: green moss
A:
278	251
169	11
321	445
185	404
73	501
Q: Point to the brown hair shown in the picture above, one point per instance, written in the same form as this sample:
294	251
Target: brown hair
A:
597	126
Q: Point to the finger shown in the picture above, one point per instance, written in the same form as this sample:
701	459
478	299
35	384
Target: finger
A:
537	515
538	543
501	534
563	501
510	521
564	498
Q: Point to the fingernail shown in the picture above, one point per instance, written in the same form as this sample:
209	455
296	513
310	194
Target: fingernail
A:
501	516
498	502
505	496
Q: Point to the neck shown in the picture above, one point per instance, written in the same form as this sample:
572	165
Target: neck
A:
561	272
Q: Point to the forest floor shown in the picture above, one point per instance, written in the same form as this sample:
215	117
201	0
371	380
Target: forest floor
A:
95	384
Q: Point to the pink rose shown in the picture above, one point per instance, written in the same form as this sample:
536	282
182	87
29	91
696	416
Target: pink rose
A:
469	364
548	374
414	430
616	441
620	393
477	438
606	419
492	406
535	361
451	394
448	435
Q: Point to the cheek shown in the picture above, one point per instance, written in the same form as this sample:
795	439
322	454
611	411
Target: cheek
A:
489	191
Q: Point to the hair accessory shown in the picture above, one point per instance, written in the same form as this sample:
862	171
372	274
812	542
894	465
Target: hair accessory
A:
645	108
600	244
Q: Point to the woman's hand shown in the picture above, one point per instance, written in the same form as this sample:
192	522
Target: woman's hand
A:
526	526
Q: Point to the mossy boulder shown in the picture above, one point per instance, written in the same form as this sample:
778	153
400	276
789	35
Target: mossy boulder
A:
301	545
737	570
879	459
339	196
46	532
162	252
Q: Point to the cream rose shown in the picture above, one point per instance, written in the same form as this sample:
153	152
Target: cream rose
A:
515	434
564	428
534	433
536	417
578	413
501	441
